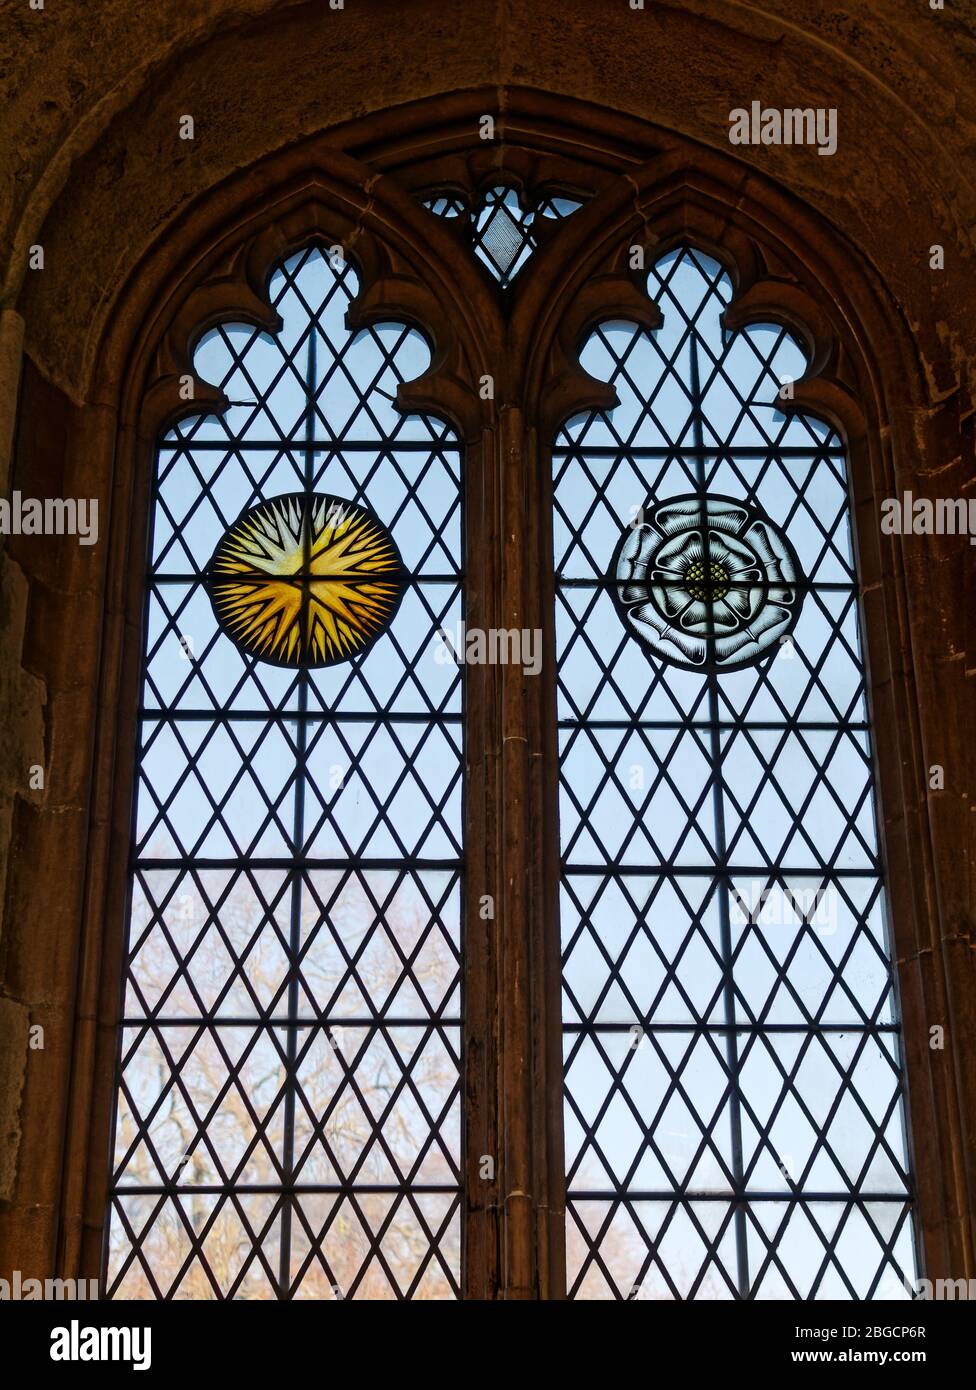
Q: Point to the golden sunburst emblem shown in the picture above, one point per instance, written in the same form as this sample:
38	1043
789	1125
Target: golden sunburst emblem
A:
305	580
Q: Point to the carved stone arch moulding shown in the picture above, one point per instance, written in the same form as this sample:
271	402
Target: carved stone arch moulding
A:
361	188
586	276
410	271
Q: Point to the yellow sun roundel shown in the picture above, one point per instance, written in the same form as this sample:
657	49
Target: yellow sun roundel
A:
305	580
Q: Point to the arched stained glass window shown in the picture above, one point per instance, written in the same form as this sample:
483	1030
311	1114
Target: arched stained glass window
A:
506	907
734	1119
287	1119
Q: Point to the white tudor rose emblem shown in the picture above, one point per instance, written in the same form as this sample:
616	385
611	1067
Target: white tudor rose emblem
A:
707	582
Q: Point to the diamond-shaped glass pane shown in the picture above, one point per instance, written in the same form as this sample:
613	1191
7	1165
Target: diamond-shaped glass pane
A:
734	1091
288	1107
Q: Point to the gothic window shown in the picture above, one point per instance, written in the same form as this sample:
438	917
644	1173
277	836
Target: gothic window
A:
734	1121
287	1119
655	846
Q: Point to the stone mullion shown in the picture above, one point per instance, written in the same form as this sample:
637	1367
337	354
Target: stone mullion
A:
527	1083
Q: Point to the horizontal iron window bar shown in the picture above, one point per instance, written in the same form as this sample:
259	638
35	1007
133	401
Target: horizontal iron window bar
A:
298	446
803	585
299	862
154	577
796	1197
719	871
732	451
276	715
703	1027
816	725
289	1021
286	1189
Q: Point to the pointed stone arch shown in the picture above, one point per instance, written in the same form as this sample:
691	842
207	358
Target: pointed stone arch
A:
360	186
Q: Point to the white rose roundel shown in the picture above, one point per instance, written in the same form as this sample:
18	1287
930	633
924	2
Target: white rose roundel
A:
707	582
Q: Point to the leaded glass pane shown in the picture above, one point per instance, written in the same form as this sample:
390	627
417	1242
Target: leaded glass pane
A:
734	1091
288	1113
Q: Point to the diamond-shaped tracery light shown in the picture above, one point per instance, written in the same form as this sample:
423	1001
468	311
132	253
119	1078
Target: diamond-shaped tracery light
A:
502	225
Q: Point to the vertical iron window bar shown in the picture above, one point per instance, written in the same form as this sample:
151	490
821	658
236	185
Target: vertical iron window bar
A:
734	1096
715	753
288	1108
295	933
